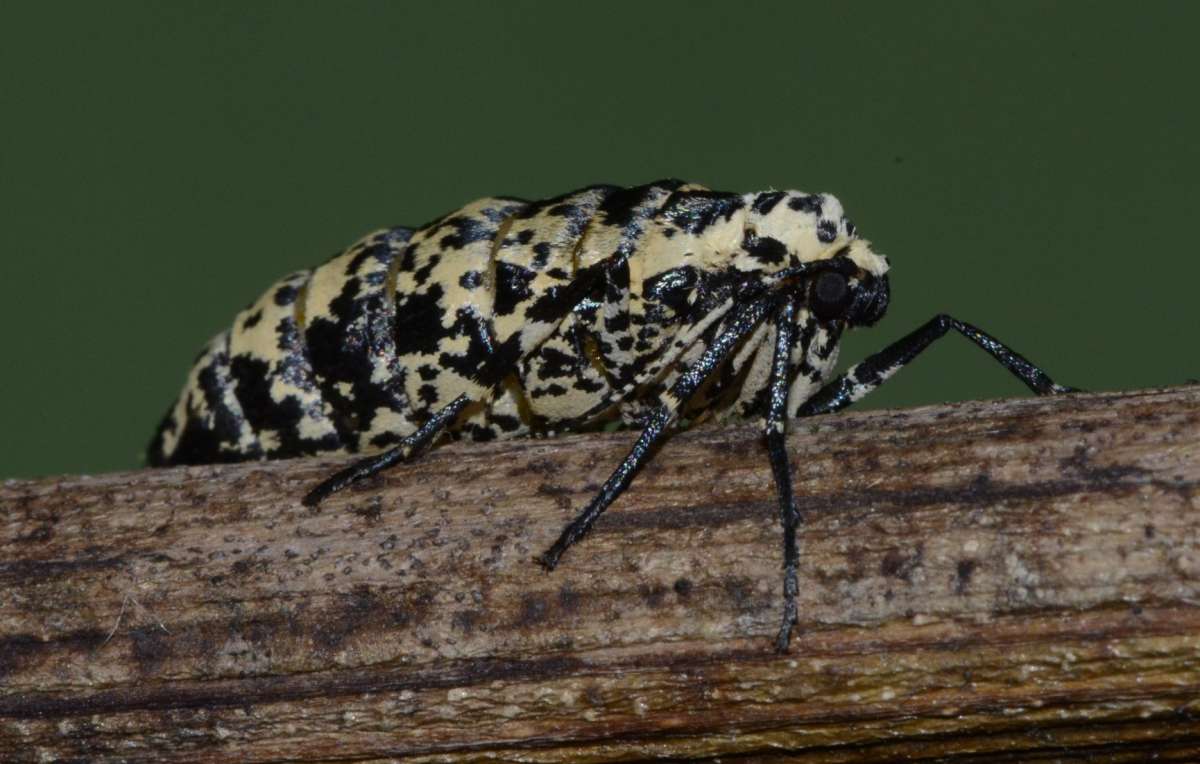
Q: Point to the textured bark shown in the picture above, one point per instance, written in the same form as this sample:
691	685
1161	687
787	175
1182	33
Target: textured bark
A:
1002	581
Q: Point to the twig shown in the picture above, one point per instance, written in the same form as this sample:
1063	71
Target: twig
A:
1000	581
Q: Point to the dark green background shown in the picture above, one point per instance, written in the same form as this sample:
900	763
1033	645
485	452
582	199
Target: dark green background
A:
1031	167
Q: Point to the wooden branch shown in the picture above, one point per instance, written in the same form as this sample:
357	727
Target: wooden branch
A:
1005	581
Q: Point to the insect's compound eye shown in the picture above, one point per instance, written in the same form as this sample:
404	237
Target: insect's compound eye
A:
830	295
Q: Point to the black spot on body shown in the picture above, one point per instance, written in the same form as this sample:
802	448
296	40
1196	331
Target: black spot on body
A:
589	386
503	358
470	280
428	394
286	295
621	207
252	384
345	347
695	211
467	230
421	275
810	203
213	439
482	433
826	231
512	287
198	444
765	249
617	323
505	423
766	201
480	344
557	301
408	259
552	390
555	364
419	321
385	439
226	424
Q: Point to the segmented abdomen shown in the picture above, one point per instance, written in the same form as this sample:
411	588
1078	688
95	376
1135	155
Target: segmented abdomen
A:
297	372
357	353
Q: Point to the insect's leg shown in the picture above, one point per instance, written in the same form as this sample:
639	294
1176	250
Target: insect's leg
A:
373	465
776	423
874	370
741	324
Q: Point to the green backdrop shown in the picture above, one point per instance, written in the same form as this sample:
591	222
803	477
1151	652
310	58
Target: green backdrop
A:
1031	167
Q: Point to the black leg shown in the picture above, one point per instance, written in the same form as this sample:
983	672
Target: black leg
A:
785	328
373	465
873	371
743	323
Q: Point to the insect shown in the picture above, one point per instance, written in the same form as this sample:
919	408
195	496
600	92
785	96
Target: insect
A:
508	318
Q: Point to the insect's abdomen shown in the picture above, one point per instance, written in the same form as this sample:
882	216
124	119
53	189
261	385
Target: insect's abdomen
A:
296	373
533	310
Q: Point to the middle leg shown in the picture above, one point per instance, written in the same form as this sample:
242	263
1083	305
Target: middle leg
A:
775	430
742	323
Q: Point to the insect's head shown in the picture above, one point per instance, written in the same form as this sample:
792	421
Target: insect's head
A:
805	242
706	246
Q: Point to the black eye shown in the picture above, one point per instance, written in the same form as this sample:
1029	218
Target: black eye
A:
830	295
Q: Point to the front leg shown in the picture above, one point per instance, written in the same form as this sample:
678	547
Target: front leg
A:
876	369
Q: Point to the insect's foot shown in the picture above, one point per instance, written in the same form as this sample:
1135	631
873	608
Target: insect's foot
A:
548	559
1059	389
784	637
321	492
339	480
314	497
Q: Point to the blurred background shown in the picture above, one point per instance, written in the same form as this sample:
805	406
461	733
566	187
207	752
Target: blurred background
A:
1030	167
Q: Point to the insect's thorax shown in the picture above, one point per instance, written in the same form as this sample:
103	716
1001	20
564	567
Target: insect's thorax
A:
653	316
667	264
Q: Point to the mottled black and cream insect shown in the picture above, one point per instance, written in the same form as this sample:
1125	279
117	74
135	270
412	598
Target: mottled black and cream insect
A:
509	318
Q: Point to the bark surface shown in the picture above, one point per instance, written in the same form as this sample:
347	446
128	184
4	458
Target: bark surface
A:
991	581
